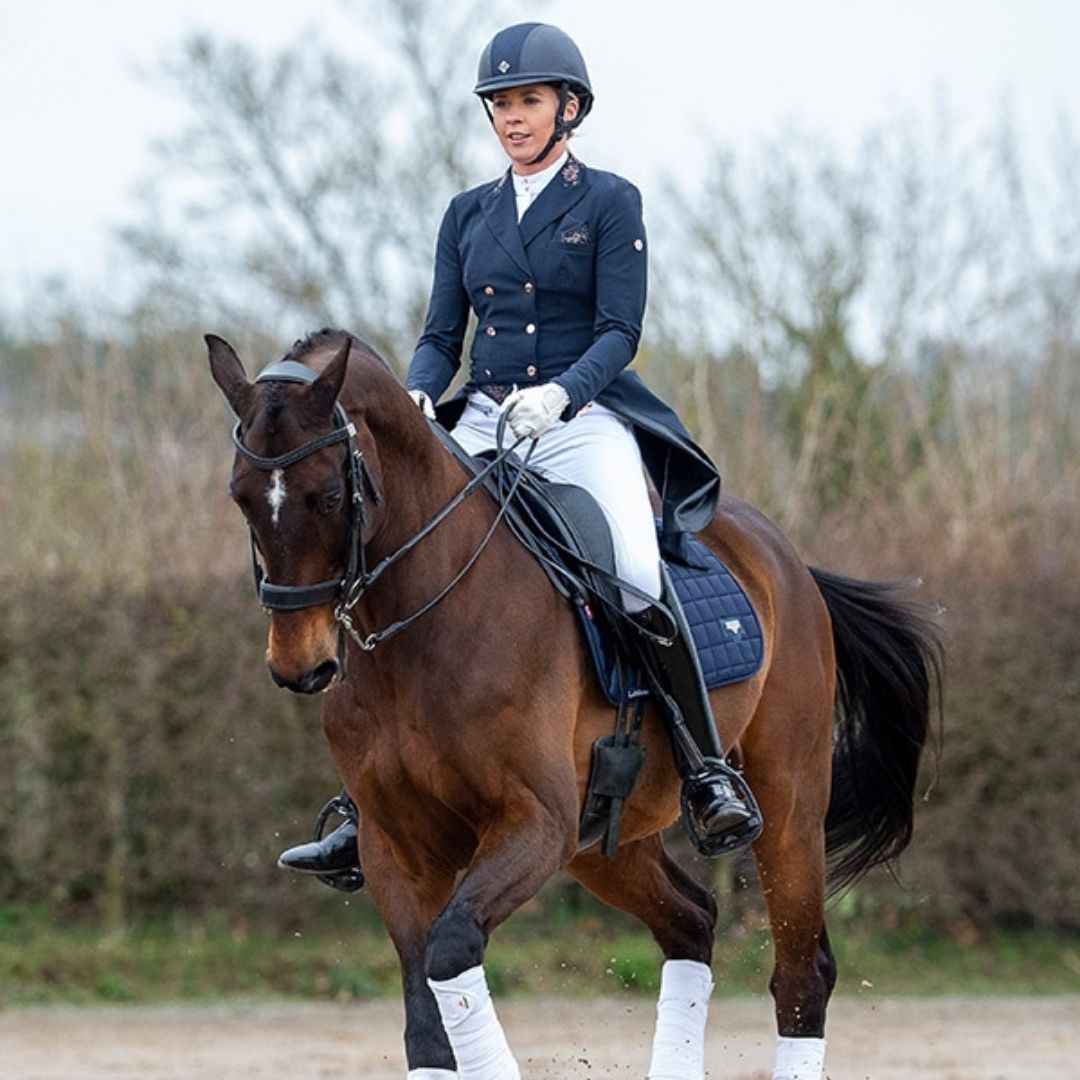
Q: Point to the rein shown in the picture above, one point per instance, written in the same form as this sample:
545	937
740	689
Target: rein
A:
342	613
346	592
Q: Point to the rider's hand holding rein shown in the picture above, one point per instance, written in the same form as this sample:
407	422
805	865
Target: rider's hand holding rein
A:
423	403
536	409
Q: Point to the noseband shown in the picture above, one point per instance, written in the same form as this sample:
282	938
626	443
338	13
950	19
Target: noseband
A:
345	592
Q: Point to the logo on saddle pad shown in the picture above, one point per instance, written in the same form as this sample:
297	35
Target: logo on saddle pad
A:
733	627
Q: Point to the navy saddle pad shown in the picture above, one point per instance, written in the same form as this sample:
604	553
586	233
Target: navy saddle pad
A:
726	631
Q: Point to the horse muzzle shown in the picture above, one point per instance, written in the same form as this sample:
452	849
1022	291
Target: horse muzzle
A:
302	651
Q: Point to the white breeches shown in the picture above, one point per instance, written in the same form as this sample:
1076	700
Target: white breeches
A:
597	451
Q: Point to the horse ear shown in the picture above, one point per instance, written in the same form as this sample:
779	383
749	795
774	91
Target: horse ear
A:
229	374
326	388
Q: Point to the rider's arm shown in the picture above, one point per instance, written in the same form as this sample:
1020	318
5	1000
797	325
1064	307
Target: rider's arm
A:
621	277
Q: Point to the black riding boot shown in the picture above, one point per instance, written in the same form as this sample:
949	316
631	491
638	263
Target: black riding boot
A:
719	810
333	859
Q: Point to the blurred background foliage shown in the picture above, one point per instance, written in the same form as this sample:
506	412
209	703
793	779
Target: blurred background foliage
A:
880	349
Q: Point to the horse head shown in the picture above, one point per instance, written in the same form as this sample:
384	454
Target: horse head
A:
302	477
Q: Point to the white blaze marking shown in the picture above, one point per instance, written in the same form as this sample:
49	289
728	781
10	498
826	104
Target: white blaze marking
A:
275	494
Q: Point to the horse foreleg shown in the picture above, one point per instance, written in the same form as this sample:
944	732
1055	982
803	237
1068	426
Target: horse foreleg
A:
681	915
408	903
514	858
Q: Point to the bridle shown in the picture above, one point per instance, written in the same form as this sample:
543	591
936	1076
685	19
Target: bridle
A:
275	597
346	592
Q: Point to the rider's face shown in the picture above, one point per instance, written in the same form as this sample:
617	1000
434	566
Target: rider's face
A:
524	121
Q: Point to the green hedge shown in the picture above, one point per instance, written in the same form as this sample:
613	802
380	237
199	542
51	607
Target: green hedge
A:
148	764
1000	836
149	767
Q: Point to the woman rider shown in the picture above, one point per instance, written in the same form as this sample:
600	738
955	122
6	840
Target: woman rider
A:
551	258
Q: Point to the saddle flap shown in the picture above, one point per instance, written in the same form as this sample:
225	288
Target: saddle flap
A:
578	517
561	524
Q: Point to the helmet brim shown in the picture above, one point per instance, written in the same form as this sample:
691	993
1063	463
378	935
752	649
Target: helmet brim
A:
487	87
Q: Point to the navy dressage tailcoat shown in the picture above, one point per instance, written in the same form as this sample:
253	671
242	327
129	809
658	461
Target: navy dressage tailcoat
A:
560	298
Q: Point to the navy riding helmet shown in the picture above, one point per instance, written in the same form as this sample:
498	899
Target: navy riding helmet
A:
531	53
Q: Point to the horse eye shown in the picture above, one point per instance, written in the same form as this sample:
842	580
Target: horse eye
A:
328	501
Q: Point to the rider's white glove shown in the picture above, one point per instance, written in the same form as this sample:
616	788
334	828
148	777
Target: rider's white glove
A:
535	409
423	403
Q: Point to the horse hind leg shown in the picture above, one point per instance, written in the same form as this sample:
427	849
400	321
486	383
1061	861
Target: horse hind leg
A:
681	915
792	790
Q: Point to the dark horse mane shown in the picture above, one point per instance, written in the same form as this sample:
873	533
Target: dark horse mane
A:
275	393
330	338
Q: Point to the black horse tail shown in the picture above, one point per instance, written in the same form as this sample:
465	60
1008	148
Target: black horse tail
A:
889	668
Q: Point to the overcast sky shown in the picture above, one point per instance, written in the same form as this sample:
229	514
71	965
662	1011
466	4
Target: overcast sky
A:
76	118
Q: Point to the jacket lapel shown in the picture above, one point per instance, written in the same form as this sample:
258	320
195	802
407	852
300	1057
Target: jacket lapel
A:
500	212
566	188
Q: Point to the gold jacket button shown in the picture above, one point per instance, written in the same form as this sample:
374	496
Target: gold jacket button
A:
531	328
531	370
490	331
488	290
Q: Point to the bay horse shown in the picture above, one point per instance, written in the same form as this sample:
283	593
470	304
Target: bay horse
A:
465	739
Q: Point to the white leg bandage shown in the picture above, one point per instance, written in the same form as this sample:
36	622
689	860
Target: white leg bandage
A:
679	1043
799	1059
474	1031
431	1074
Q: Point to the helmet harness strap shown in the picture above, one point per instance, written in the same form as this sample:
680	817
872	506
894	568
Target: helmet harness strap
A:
562	125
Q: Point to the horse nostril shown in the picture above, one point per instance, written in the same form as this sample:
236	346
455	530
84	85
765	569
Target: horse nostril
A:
319	679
